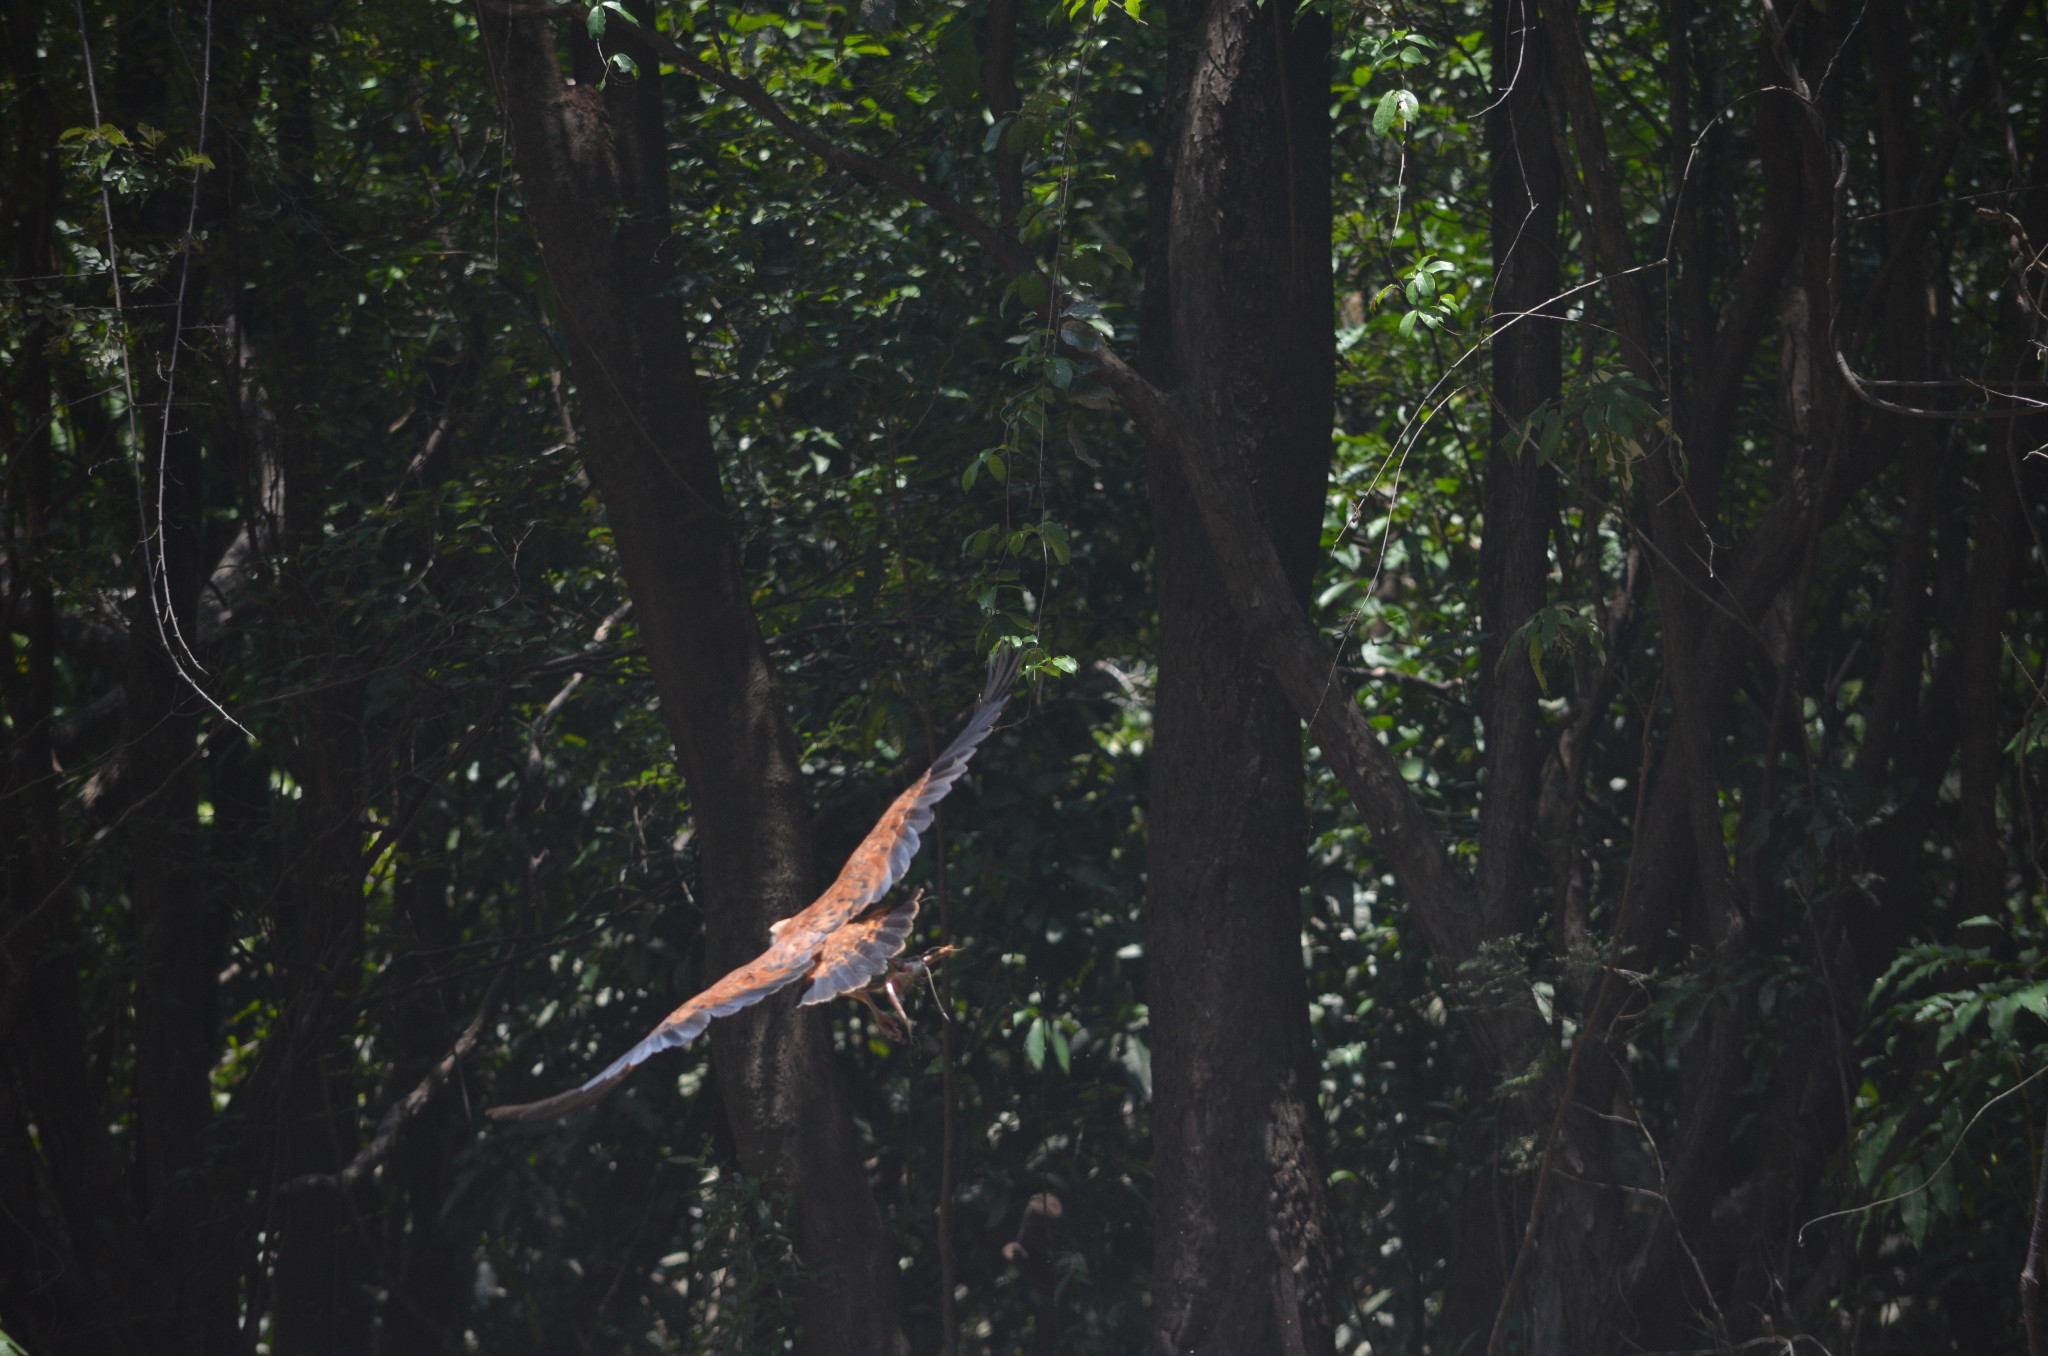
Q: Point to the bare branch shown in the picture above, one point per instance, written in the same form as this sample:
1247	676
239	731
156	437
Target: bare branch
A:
410	1106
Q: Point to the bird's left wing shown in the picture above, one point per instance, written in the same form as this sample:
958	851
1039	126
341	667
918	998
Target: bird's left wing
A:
774	969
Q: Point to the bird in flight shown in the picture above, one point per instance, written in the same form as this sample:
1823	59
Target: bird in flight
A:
843	942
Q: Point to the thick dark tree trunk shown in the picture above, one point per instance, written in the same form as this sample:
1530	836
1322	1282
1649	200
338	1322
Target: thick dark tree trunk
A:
1238	323
70	1249
585	156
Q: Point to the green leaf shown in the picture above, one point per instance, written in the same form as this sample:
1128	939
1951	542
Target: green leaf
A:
1034	1044
1383	115
1059	1050
2002	1012
1030	289
1082	337
960	66
1870	1150
878	16
595	23
1396	105
1958	1025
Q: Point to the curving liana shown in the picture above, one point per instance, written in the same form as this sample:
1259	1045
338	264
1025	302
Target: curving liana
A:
842	943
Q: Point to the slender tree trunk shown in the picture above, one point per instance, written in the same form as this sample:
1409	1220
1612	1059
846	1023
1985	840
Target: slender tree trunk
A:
322	1276
1238	322
1996	530
179	927
427	1302
1524	190
584	155
1521	496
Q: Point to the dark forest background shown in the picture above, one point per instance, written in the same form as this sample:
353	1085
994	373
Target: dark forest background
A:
1525	830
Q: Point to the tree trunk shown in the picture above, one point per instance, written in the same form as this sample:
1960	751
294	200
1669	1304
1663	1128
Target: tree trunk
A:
1521	506
1521	496
583	156
1237	322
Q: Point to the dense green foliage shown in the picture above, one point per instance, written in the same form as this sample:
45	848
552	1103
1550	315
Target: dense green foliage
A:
913	473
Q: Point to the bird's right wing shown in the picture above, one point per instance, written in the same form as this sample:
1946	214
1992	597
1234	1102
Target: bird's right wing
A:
884	855
776	968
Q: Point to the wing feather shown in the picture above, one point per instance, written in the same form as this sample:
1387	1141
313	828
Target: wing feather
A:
857	954
885	854
802	941
774	969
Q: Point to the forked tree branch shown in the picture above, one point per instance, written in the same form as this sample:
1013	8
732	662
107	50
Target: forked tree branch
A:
1303	663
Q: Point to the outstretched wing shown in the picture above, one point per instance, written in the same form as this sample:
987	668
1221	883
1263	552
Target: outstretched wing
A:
774	969
856	955
801	941
884	855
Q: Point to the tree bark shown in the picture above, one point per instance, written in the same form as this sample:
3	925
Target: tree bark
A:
594	169
1237	321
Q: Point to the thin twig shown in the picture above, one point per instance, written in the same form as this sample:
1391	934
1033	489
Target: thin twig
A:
2031	1273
